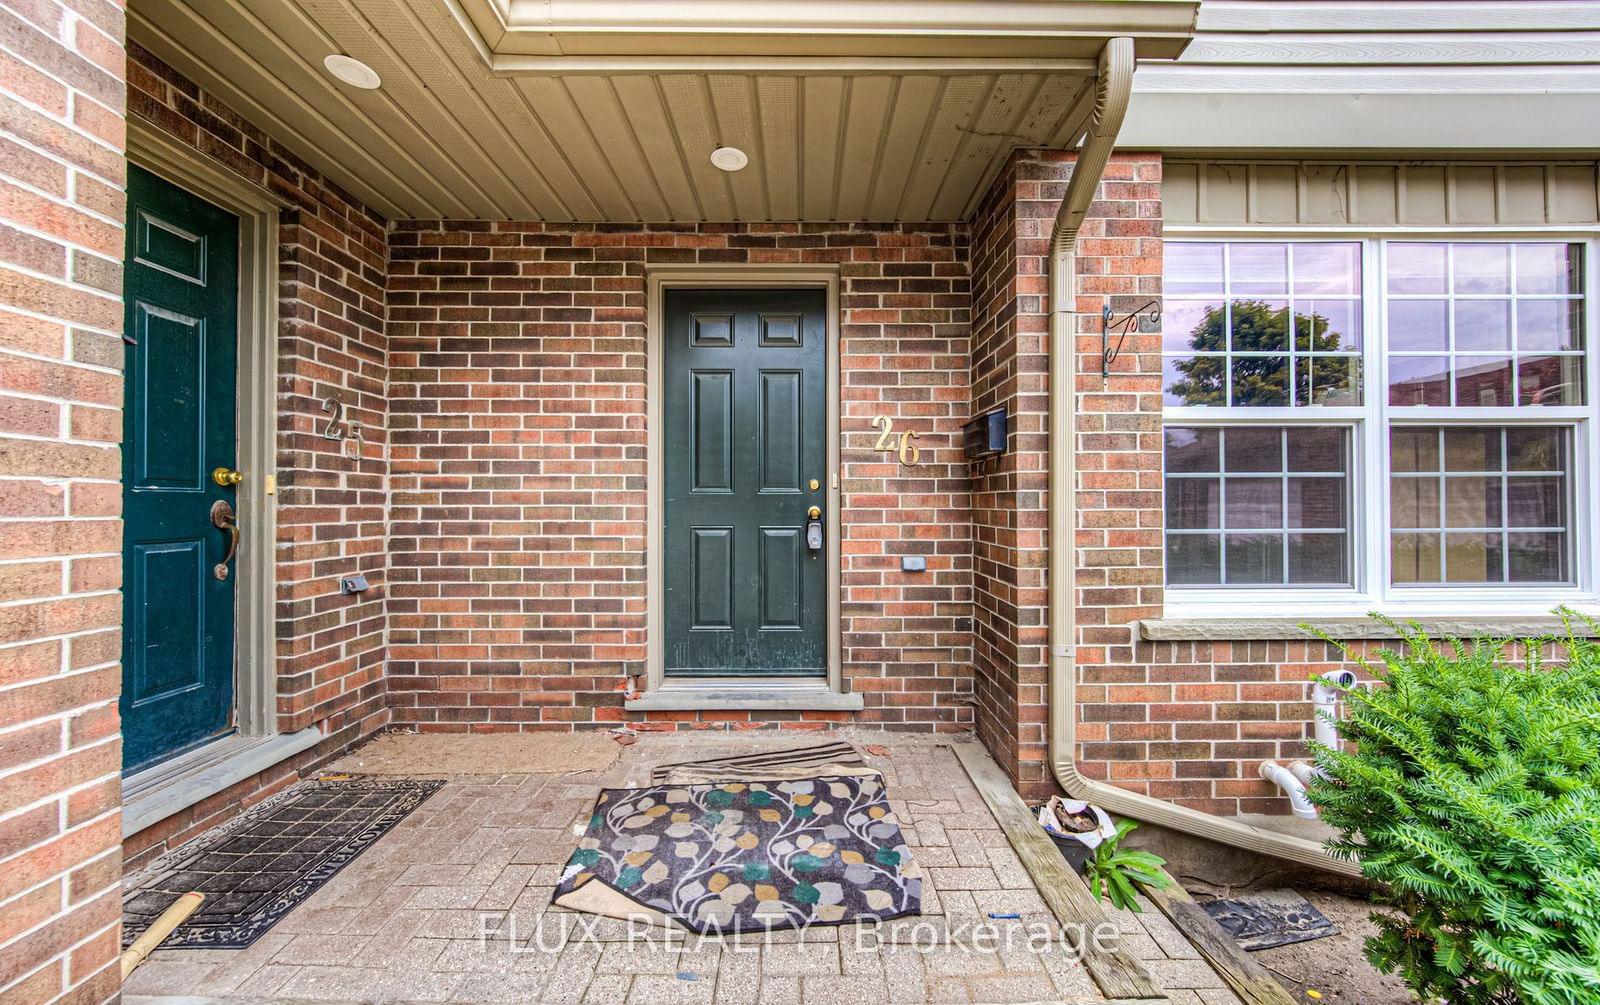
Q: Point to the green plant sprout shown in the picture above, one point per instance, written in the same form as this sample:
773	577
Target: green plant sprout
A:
1114	870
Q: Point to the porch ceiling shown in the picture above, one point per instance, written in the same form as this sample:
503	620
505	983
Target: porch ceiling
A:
580	110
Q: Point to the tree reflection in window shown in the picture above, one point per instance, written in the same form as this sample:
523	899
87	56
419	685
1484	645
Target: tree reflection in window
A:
1258	365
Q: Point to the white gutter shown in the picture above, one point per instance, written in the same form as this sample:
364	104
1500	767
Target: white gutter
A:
542	37
1111	104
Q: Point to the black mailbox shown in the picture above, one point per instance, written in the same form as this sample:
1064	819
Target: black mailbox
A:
985	436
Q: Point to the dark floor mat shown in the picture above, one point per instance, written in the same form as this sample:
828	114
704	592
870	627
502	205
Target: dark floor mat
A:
1271	918
257	868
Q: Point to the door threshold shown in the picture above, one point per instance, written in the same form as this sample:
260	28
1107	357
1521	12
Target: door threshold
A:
745	694
153	794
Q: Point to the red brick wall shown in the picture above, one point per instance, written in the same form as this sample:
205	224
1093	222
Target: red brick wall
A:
1191	721
517	406
330	502
1118	548
1188	722
1009	369
61	207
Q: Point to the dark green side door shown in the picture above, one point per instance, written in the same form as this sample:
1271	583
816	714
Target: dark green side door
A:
181	293
745	420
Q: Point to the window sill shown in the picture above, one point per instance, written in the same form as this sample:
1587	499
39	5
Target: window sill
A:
753	696
1234	629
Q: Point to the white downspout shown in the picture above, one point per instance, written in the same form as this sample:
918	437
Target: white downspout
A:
1111	104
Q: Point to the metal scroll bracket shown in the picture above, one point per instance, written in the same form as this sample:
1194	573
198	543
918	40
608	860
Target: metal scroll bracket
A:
1149	314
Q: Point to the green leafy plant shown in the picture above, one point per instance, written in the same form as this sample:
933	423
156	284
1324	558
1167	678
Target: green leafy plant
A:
1113	870
1471	792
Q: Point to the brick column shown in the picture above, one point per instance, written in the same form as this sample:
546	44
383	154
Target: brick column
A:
61	248
1117	551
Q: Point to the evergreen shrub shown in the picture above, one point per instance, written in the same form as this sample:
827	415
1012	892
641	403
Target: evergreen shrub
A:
1469	790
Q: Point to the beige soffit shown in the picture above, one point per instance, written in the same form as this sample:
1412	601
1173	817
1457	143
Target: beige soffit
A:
1227	193
608	112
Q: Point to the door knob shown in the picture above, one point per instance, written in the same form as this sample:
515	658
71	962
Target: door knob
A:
226	477
814	513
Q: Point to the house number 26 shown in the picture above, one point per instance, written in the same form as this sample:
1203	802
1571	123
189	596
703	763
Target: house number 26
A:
907	451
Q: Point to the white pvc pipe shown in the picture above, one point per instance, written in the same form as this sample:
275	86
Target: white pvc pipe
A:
1307	773
1284	779
1325	704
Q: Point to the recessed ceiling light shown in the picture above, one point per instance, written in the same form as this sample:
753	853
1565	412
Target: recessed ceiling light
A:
729	158
352	71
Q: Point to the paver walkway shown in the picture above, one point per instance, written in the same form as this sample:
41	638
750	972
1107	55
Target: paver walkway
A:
406	921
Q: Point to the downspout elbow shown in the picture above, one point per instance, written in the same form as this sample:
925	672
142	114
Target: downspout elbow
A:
1113	89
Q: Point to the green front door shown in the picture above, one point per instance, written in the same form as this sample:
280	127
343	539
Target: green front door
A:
745	435
181	292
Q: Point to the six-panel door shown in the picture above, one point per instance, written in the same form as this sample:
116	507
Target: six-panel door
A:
745	426
181	294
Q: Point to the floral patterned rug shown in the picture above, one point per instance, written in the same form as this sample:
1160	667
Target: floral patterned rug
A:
746	855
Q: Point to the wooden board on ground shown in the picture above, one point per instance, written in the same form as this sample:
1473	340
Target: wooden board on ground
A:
1248	979
1116	971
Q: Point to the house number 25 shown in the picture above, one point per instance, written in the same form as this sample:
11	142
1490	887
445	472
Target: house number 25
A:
907	451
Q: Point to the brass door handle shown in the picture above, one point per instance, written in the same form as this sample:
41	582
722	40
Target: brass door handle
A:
814	513
226	477
222	518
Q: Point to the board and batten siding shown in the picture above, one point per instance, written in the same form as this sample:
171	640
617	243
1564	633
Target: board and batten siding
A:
1379	194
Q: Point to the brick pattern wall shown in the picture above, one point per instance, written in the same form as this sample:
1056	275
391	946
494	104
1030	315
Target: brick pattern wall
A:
1188	722
1010	370
517	407
61	236
1118	550
330	495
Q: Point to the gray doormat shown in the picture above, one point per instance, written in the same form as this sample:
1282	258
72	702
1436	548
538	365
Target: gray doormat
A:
257	868
1271	918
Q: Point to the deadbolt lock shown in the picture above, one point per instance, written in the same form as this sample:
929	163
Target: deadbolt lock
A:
815	485
226	477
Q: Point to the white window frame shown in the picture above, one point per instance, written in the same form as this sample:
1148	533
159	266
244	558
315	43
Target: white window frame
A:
1369	461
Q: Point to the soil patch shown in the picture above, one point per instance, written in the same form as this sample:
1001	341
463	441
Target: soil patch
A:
1336	967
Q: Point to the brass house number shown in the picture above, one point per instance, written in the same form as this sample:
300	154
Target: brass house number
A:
907	450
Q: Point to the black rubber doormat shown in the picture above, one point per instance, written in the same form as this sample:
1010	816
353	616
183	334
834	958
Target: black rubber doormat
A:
1270	918
256	869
